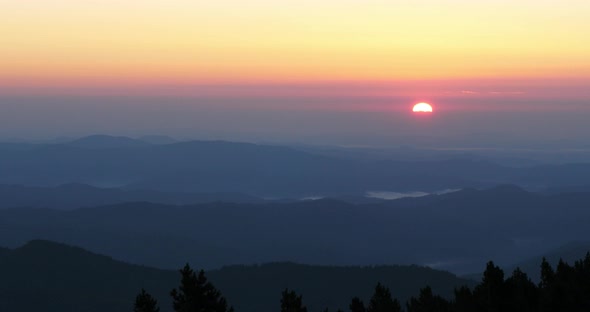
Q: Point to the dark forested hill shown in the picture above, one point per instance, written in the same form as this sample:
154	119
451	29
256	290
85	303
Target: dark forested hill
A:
327	286
4	251
457	231
45	276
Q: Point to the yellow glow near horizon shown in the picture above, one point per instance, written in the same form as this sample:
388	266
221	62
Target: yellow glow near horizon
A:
263	40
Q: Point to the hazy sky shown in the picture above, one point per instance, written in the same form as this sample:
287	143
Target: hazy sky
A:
342	71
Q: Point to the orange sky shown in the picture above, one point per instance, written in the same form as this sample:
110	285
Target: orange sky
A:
76	44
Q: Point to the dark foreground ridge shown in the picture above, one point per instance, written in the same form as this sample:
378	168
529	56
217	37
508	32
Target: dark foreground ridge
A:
46	276
565	289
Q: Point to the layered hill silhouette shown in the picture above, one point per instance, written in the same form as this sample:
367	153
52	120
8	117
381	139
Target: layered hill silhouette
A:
107	142
46	276
457	231
261	170
72	196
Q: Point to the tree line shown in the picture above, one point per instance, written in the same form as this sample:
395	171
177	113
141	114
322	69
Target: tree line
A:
565	288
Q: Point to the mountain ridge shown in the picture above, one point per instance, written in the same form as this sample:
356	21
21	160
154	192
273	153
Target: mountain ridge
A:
77	195
69	278
456	231
258	169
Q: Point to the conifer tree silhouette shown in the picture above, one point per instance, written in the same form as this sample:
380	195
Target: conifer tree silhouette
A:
291	302
357	305
490	292
521	293
197	294
144	302
428	302
382	301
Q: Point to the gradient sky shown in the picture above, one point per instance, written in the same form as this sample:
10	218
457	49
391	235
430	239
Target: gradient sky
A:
471	57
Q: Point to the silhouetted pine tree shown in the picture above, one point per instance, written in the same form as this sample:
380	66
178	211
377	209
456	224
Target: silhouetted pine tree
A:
196	294
144	302
582	283
291	302
567	288
382	301
547	288
427	302
464	300
547	275
521	293
564	292
357	305
490	293
572	285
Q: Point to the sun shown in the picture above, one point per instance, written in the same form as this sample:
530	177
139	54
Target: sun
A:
422	108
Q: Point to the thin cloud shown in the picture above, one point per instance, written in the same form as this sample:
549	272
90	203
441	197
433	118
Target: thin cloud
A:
506	92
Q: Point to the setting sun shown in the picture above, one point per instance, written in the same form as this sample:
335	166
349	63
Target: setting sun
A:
422	108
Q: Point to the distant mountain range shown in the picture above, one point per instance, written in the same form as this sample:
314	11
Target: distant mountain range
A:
457	231
72	196
50	277
260	170
107	142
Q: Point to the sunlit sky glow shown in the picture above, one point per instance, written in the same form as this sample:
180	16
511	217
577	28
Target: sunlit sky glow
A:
109	42
307	55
